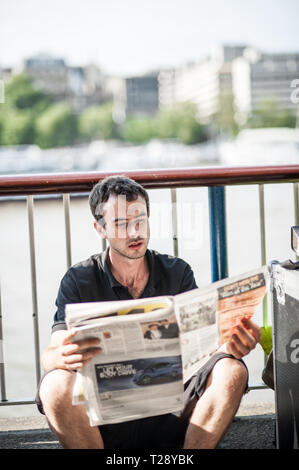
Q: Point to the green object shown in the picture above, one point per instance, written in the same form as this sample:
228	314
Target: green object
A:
266	339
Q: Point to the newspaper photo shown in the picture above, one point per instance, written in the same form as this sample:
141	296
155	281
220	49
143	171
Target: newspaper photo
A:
150	347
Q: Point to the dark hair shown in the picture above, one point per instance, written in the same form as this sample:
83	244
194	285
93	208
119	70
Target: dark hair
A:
116	185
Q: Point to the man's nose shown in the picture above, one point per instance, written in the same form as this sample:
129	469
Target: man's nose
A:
133	229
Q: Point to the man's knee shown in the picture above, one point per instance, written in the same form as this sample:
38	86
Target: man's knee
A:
230	374
56	388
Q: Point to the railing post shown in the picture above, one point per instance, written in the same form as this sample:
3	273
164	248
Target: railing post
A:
30	207
263	244
296	206
296	202
66	207
174	222
218	245
2	369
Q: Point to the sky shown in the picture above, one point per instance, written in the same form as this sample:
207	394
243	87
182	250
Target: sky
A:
130	37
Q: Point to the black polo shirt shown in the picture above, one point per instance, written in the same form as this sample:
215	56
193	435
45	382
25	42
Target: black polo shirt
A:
92	281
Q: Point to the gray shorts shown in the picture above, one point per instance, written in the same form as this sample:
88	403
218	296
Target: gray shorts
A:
159	432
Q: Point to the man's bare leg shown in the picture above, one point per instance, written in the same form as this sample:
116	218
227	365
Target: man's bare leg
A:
69	423
217	406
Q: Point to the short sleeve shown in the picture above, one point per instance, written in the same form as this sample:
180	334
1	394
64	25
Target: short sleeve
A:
68	293
188	280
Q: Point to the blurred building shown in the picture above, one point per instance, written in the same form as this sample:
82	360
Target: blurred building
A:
142	94
258	76
243	75
79	86
201	82
5	73
49	74
136	96
95	89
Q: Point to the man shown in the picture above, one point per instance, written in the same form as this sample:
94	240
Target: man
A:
153	332
168	330
128	269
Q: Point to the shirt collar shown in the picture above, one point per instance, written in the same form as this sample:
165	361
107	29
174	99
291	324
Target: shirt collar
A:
154	274
106	268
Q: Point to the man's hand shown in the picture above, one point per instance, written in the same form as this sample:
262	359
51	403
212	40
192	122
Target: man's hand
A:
63	353
245	336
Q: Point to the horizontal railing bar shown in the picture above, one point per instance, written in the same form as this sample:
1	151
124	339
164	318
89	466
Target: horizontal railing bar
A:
44	197
17	402
161	178
258	386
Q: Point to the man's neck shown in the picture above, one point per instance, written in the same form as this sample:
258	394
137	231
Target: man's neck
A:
129	272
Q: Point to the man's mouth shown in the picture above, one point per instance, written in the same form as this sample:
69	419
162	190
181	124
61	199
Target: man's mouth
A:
136	245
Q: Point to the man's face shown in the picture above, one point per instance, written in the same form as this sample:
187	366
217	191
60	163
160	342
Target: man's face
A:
126	226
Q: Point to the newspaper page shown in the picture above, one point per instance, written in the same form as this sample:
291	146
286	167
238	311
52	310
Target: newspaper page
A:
139	370
196	312
151	347
206	316
239	297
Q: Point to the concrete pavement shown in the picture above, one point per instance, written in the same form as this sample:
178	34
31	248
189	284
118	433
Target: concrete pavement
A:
252	428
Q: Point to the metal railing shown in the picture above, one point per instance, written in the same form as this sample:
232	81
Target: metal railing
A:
215	178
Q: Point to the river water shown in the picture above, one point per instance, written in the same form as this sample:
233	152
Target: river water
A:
243	251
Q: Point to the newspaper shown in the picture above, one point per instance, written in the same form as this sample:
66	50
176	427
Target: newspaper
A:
150	347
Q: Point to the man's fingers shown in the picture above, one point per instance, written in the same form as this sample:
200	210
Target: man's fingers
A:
232	349
254	329
243	340
81	346
238	345
76	355
69	336
245	336
75	350
76	361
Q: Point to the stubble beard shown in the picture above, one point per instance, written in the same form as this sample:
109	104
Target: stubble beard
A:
125	254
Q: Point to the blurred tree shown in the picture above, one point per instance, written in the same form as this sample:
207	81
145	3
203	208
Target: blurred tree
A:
181	122
56	126
97	122
269	113
224	119
2	119
21	93
23	103
16	127
168	123
139	130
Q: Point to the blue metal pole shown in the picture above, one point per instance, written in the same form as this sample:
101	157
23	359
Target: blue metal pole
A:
219	265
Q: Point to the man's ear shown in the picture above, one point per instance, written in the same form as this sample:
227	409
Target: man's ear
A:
100	229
